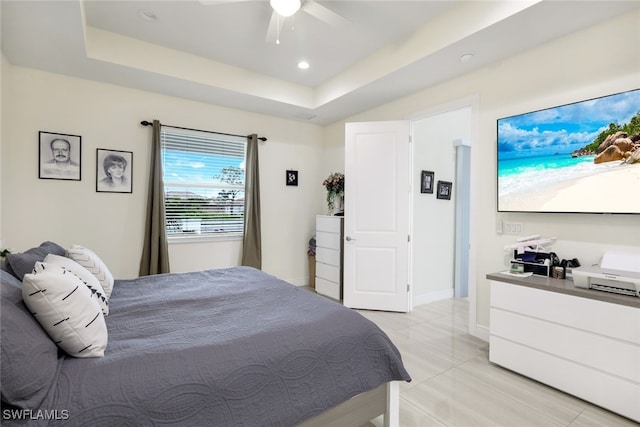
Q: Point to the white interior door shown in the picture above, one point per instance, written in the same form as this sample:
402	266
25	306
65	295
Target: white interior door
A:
376	222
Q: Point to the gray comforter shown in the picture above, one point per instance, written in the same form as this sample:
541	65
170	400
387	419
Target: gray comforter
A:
228	347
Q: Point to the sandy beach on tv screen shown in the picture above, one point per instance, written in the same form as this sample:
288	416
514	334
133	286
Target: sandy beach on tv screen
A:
614	191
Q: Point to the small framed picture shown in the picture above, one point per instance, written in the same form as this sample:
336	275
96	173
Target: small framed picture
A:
444	190
59	156
426	182
292	178
114	171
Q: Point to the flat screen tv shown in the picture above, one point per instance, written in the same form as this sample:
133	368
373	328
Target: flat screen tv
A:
575	158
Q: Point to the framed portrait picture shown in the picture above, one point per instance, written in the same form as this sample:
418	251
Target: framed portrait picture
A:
292	178
426	182
114	171
59	156
444	190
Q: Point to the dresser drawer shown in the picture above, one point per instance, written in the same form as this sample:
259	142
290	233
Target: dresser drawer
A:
330	289
328	240
328	256
599	352
607	319
328	272
332	224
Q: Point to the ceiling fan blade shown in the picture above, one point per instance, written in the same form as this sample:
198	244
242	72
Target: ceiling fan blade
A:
275	27
322	13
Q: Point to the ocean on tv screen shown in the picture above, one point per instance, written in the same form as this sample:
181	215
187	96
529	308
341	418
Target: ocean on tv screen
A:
580	157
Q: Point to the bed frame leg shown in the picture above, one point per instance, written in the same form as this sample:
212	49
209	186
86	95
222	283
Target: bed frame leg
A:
392	415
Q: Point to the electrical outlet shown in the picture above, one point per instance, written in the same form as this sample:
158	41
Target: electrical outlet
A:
513	228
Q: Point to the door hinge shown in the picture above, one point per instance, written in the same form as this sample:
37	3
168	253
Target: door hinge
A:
408	237
408	287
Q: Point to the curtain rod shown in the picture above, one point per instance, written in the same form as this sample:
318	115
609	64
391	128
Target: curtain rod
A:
146	123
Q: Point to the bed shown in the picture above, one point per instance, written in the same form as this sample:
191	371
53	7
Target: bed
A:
224	347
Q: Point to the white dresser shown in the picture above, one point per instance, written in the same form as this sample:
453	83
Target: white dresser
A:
329	256
584	342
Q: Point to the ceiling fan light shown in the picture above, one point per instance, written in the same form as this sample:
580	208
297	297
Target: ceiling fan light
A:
285	7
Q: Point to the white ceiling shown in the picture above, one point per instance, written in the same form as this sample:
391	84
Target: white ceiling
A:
217	52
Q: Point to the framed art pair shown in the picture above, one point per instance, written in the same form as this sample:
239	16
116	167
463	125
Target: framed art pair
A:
443	188
60	157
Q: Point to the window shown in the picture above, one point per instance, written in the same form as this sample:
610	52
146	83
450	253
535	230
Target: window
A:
203	183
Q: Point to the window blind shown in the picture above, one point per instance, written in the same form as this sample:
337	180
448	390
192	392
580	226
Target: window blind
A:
203	183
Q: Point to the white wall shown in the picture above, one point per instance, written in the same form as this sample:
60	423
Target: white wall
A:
108	116
2	65
598	61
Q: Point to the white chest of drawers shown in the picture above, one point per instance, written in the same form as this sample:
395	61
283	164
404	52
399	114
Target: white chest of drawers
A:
586	347
329	256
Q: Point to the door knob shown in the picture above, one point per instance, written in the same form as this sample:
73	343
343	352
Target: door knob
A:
348	239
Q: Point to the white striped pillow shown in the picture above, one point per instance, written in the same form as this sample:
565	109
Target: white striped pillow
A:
89	260
59	263
63	306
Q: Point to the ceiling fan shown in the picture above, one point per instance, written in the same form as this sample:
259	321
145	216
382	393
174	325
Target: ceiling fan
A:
286	8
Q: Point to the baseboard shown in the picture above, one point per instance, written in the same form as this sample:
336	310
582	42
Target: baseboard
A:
299	282
478	331
432	297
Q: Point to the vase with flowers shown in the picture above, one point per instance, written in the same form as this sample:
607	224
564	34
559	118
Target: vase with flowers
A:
4	253
334	184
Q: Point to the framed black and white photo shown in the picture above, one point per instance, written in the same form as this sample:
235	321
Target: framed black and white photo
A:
426	182
59	156
292	178
114	171
444	190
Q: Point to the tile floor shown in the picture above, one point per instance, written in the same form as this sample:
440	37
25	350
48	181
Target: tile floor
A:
455	385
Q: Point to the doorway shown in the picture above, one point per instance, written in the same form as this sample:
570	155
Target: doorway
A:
440	222
437	136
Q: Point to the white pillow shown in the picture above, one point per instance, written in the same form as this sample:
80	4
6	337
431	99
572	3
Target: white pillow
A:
63	306
89	260
59	263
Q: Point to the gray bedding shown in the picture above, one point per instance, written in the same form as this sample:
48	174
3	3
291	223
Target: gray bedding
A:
227	347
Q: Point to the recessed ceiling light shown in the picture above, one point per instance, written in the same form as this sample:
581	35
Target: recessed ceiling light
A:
303	65
466	57
147	15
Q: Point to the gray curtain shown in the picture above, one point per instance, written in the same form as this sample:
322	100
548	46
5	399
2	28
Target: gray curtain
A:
155	251
252	243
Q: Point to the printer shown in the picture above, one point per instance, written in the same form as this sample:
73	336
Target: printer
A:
619	272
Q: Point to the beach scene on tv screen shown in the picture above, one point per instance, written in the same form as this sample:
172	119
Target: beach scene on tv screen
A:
580	157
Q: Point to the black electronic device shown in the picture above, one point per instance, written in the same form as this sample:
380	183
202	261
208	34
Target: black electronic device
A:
538	263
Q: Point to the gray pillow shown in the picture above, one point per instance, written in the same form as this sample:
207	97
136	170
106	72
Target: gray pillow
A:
11	287
4	266
22	263
29	358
